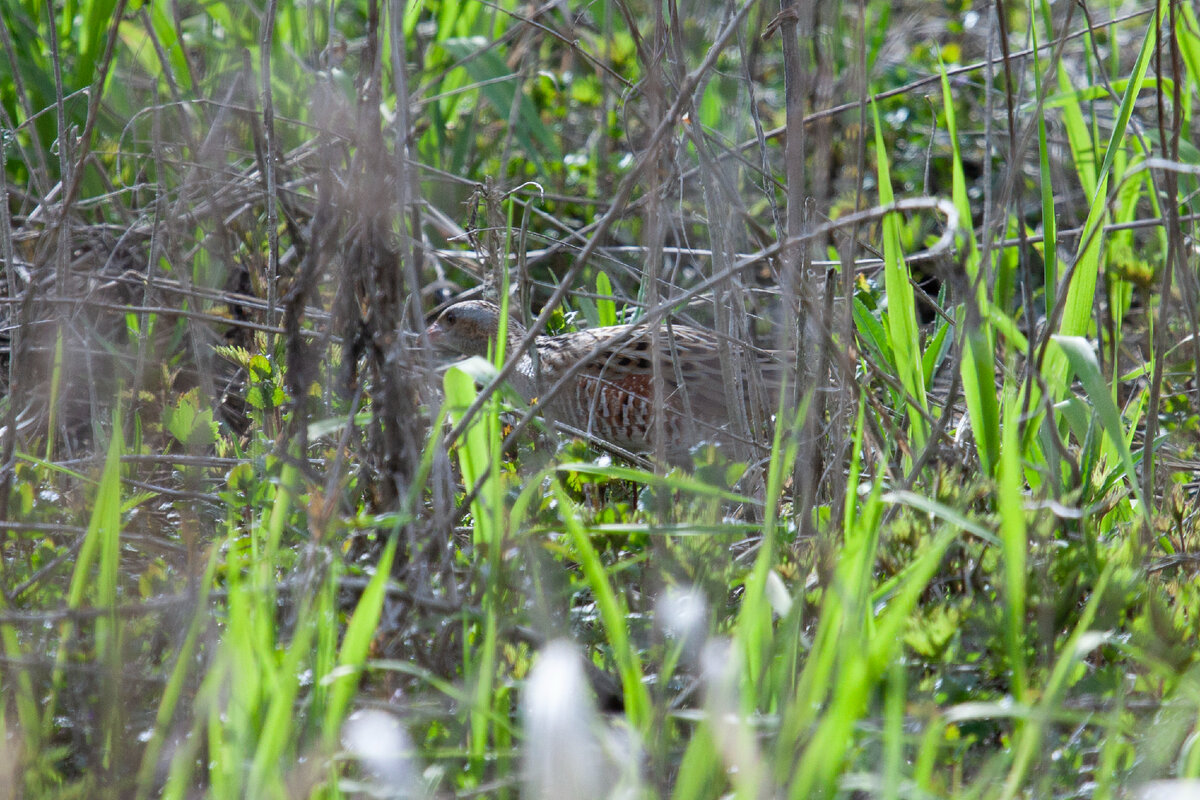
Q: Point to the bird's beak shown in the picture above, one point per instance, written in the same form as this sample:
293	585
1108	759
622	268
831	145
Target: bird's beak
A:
435	334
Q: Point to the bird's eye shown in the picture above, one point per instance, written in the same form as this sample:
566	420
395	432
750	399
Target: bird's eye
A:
450	316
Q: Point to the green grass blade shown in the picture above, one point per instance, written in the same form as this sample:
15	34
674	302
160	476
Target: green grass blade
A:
1014	545
279	724
1082	359
1028	741
613	614
356	643
100	549
863	657
978	340
180	672
754	629
1077	311
606	307
902	309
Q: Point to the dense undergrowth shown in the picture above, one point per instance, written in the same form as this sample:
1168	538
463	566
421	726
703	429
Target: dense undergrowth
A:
257	541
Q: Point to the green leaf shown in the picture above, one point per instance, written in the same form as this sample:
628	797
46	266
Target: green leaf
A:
606	309
188	423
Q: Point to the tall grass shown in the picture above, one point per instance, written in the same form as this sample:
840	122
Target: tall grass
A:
258	541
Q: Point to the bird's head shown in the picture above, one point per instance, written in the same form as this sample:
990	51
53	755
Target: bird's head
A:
468	327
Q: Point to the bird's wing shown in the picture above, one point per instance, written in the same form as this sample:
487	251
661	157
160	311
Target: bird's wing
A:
693	381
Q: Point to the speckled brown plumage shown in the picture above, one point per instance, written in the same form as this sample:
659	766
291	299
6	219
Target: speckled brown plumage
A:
611	395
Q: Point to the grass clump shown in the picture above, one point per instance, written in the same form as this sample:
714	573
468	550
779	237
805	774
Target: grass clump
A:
258	541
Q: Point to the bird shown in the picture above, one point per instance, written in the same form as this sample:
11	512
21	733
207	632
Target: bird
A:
608	391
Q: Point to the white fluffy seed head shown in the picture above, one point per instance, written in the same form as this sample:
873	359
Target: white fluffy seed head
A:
381	745
563	756
681	613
